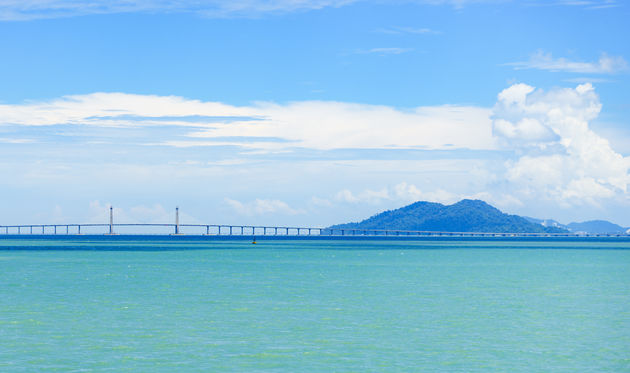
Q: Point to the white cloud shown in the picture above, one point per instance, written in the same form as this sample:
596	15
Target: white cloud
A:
407	192
408	30
115	109
156	214
98	213
58	215
336	125
23	10
545	61
590	4
262	207
18	10
307	124
557	159
585	79
16	141
386	51
248	8
500	200
526	129
321	202
366	196
401	192
573	166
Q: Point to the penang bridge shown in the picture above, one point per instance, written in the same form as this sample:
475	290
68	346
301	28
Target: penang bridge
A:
229	230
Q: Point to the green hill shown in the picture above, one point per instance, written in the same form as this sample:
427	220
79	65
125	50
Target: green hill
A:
464	216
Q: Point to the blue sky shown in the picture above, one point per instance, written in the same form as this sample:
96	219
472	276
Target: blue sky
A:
312	112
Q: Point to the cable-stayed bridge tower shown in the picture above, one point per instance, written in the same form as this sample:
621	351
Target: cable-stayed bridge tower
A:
111	220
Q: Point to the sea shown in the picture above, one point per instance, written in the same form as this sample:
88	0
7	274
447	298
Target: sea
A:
193	304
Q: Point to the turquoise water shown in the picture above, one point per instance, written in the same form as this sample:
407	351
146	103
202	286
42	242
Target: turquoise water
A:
289	306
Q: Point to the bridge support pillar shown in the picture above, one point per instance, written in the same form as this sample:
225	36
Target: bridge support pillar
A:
111	220
177	220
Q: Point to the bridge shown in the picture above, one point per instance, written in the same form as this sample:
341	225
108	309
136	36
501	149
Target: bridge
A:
176	228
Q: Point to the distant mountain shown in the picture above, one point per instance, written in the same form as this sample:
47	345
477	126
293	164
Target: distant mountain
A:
547	223
596	226
591	227
464	216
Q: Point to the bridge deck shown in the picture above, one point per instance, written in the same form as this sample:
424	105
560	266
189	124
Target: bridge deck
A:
255	230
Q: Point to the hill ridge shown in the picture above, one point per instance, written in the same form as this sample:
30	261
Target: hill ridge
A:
467	215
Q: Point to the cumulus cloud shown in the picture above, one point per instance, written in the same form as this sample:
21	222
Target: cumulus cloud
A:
545	61
262	207
562	158
308	124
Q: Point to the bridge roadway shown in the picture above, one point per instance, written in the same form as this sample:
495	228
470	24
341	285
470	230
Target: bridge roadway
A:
255	230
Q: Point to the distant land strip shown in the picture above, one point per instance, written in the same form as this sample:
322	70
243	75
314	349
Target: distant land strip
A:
258	230
466	218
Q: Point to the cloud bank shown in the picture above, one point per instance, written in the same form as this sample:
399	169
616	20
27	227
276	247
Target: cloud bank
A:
533	147
319	125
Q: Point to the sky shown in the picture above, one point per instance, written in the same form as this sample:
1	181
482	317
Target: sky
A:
312	113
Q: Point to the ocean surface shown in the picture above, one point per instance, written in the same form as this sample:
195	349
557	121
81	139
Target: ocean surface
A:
148	304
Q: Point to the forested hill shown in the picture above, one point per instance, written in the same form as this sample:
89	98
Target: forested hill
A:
464	216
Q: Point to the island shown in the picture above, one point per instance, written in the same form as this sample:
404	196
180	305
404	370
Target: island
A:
464	216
